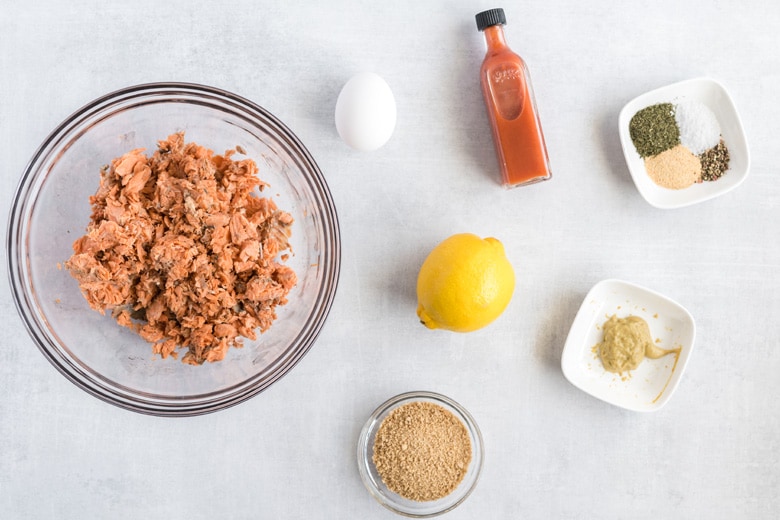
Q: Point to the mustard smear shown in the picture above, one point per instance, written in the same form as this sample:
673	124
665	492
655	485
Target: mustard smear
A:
626	343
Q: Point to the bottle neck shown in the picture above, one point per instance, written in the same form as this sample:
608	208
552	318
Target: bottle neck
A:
494	36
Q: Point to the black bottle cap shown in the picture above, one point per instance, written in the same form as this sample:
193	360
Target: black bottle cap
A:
490	17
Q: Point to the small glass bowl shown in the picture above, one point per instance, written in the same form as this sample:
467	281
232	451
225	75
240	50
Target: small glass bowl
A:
395	502
51	209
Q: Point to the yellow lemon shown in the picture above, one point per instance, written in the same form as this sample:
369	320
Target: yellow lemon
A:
465	283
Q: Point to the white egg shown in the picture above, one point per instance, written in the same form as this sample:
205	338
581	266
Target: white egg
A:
365	112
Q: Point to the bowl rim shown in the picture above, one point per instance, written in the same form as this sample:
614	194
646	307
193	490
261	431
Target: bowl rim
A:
21	208
670	91
364	444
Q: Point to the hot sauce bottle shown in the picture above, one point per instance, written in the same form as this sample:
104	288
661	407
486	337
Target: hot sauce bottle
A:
511	107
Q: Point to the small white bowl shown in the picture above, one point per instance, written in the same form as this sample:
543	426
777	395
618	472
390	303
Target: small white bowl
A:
714	96
652	384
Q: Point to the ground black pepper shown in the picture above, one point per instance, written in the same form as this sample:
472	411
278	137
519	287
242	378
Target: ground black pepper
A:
714	162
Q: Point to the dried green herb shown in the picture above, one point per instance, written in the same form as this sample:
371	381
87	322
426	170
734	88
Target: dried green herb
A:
714	162
654	130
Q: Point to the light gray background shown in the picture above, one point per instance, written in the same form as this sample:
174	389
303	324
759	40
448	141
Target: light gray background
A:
552	451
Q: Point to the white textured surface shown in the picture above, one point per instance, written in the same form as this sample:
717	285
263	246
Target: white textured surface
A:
551	450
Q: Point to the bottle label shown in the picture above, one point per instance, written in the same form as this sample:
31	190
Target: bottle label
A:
507	88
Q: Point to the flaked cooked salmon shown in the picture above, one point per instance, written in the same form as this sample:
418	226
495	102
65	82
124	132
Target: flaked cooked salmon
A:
181	249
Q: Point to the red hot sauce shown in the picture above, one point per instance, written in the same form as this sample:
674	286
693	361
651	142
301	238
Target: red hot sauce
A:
514	119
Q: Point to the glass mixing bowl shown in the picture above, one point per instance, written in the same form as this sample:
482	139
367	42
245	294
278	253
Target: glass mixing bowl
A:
51	209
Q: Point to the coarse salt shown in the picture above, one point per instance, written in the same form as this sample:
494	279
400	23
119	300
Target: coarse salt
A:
699	128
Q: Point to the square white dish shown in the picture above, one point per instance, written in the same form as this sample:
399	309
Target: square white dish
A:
716	98
651	385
